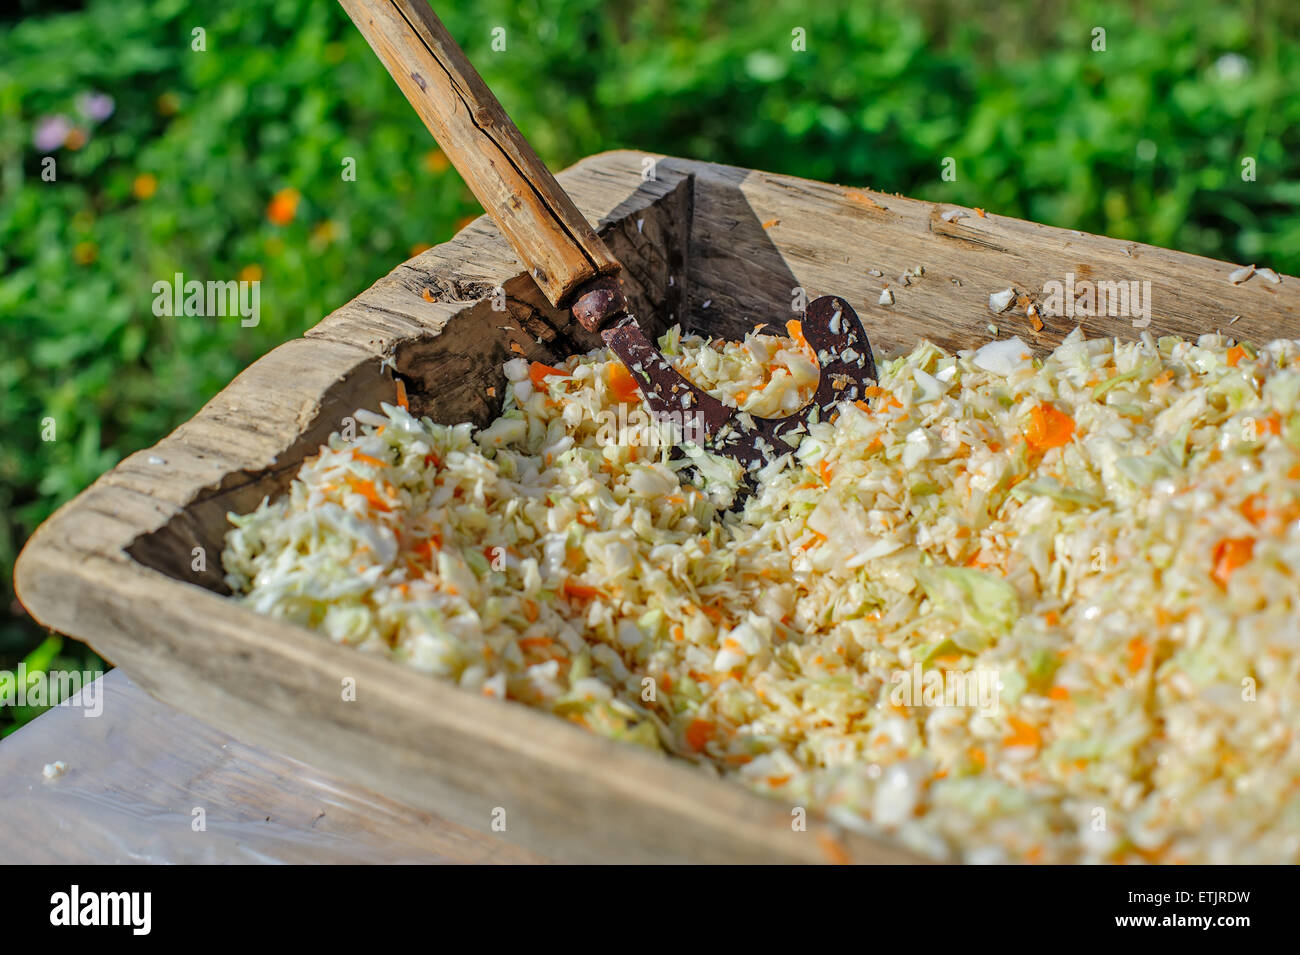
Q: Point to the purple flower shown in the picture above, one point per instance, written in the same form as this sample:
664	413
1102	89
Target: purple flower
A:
95	106
51	131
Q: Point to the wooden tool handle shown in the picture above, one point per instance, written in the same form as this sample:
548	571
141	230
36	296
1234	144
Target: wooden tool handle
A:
544	227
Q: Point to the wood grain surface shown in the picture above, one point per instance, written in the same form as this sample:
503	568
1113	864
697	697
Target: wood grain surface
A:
144	783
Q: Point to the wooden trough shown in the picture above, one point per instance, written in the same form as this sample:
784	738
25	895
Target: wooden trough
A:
132	565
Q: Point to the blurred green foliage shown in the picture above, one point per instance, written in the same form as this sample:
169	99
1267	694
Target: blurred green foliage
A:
1143	141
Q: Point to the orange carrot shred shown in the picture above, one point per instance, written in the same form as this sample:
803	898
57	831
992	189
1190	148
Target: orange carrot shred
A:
1229	554
622	384
539	372
1049	427
1137	654
835	853
699	733
1255	508
1026	734
579	591
795	328
367	490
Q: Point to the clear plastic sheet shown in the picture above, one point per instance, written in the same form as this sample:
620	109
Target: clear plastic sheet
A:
145	783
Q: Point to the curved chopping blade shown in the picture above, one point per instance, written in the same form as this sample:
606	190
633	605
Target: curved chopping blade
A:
830	326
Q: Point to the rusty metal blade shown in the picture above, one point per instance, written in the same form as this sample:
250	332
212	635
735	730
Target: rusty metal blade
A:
846	365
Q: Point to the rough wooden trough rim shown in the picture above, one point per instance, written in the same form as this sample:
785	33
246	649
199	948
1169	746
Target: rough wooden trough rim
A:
714	246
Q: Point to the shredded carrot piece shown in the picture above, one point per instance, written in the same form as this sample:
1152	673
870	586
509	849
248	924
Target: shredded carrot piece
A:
575	590
1294	472
622	384
426	547
1049	427
539	372
1229	554
977	757
824	471
401	395
1235	354
529	643
836	854
530	610
366	459
1026	734
1058	693
817	539
1273	423
1052	618
1137	654
367	490
699	733
795	330
1254	508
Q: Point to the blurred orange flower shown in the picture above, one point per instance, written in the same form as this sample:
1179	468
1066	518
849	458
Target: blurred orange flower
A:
85	253
436	161
325	232
420	247
144	185
251	273
283	206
